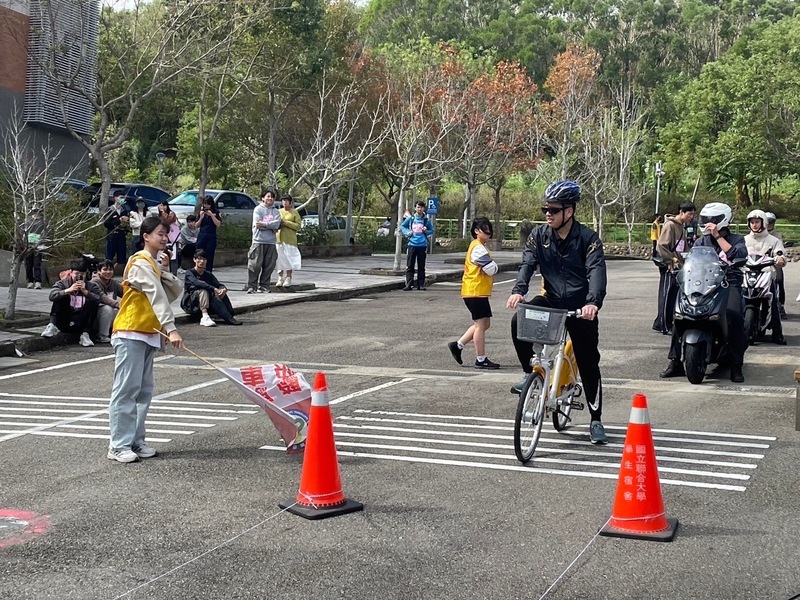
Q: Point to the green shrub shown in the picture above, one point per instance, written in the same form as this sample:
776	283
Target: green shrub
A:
234	237
312	235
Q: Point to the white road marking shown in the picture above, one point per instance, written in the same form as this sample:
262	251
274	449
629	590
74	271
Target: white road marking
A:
370	390
55	367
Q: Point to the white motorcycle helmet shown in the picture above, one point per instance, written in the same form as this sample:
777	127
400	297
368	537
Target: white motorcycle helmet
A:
757	214
718	213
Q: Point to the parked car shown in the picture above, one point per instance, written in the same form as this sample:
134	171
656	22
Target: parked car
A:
336	226
68	186
152	195
235	207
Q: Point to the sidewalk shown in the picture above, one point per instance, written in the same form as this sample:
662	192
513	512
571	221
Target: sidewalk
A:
334	278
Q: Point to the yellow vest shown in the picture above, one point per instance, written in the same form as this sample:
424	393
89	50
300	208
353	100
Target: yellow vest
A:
475	283
135	311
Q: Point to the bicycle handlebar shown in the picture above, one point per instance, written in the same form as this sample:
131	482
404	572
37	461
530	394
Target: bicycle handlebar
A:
574	314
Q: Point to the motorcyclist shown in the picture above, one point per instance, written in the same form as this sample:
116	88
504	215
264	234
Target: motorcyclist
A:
760	242
570	258
715	219
771	220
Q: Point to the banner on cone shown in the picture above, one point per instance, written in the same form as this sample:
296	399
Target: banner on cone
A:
283	393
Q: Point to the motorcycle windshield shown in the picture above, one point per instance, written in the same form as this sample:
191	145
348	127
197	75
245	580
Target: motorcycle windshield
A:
702	272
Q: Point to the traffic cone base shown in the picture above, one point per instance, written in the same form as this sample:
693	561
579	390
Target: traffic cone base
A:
665	535
321	494
309	512
638	510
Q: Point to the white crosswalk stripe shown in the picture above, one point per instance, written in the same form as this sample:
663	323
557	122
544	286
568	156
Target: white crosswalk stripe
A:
84	417
700	459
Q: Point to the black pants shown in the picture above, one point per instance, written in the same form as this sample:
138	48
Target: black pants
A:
33	267
585	337
781	288
418	254
737	336
776	325
117	246
69	321
667	294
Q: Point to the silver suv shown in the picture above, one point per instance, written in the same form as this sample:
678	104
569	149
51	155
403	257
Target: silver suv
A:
235	207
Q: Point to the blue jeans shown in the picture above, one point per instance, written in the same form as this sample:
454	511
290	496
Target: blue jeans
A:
131	393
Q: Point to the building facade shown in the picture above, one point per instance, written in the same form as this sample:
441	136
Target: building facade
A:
41	42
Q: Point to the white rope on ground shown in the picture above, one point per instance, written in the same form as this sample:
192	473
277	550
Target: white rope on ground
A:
569	566
207	552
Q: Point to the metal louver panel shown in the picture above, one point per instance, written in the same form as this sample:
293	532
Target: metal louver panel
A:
62	58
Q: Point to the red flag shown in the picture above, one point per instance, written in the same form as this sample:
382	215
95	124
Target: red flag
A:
284	394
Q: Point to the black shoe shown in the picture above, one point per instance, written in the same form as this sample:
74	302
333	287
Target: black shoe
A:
779	339
667	332
674	369
486	364
517	387
408	288
736	374
422	289
233	321
783	312
456	352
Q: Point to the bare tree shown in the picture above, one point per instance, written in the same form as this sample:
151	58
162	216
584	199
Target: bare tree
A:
40	217
142	48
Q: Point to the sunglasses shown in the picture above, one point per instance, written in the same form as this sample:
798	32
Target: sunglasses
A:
551	210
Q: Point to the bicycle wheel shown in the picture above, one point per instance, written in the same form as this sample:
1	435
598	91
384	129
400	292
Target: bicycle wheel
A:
561	417
529	419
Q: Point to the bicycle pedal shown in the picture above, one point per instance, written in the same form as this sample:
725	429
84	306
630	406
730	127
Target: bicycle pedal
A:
577	390
577	405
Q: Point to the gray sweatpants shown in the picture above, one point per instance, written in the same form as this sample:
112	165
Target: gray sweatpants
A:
131	393
261	261
105	319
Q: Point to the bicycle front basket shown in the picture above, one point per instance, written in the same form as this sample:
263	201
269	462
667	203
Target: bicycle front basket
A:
540	324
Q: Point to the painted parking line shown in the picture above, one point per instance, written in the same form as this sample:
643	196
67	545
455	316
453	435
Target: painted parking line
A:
699	459
20	415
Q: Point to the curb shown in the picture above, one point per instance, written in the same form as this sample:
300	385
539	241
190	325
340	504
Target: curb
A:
36	343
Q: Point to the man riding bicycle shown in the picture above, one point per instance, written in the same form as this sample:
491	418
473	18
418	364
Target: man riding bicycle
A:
570	258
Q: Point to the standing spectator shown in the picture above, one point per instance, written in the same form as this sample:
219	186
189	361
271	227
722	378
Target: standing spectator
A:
771	219
417	228
476	289
74	306
135	221
188	241
33	262
208	221
116	223
671	243
109	294
289	259
655	231
144	315
204	294
263	254
170	221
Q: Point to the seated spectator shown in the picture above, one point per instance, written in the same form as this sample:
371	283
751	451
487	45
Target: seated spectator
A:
204	294
74	305
188	241
109	293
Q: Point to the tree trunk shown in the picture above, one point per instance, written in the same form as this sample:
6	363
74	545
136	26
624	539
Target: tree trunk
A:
497	231
13	286
105	179
398	243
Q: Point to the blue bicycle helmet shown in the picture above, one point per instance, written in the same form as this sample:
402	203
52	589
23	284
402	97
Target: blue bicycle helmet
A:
568	193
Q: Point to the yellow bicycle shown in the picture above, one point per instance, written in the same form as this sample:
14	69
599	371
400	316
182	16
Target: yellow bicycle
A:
553	384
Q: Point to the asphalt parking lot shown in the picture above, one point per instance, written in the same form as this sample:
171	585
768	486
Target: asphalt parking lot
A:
426	445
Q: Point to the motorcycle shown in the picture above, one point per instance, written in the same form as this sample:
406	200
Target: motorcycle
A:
758	292
700	310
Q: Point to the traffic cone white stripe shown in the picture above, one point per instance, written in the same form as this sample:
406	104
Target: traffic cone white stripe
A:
640	416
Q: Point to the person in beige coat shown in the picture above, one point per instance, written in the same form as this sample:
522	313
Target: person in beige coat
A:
671	243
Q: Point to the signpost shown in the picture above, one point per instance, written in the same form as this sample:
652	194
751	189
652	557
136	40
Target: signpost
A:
433	210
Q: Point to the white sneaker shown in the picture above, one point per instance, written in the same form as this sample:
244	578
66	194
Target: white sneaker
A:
123	456
144	451
281	279
207	321
287	282
85	340
37	286
30	285
50	331
104	339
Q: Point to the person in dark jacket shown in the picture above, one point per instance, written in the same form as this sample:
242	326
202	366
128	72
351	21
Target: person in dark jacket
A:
116	223
570	259
74	305
715	219
204	294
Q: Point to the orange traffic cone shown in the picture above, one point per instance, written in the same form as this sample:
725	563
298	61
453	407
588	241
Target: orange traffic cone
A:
321	493
638	511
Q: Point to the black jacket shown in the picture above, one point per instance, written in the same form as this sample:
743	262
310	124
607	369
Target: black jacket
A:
194	283
573	269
